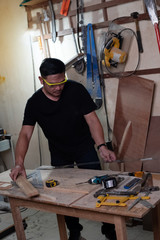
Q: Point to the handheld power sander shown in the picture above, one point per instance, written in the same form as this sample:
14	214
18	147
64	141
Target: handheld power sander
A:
113	53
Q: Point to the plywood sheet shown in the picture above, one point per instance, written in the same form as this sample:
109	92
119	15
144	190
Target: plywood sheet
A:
153	146
134	102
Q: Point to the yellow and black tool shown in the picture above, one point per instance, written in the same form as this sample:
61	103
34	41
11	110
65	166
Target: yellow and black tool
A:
113	53
116	200
51	183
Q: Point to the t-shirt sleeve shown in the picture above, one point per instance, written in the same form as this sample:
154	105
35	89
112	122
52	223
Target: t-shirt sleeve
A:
87	105
29	114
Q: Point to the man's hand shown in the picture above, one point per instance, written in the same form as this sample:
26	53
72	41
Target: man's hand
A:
17	170
107	155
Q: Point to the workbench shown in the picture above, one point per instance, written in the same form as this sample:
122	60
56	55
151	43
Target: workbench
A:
78	201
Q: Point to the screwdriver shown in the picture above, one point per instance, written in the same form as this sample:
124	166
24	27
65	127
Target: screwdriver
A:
95	180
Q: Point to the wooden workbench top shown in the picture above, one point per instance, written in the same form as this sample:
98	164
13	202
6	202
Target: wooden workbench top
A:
68	194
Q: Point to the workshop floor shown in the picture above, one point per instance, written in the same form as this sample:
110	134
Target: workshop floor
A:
43	225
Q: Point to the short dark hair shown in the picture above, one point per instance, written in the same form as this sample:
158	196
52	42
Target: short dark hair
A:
51	66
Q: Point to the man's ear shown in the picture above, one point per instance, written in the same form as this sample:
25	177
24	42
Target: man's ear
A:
41	80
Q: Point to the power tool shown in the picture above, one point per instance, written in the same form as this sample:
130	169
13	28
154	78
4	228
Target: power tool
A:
113	53
95	180
98	180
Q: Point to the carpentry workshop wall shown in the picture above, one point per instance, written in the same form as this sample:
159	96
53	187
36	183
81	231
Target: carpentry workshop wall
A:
16	75
27	38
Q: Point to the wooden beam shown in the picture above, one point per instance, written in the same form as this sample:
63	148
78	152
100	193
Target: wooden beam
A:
138	72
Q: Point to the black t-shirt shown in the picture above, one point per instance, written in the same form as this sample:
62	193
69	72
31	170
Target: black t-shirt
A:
62	121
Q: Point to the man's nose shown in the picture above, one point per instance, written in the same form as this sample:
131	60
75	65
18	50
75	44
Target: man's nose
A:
58	87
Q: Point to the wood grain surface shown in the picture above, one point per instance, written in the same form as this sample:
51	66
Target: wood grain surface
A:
134	103
68	194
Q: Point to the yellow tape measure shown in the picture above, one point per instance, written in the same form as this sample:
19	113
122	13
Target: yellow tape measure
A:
51	183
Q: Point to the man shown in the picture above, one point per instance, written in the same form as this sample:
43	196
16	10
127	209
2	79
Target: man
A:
66	113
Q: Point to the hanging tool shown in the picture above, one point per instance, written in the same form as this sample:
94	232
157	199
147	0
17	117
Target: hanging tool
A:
79	64
80	25
65	7
134	15
116	65
46	20
113	53
93	79
53	21
109	130
152	11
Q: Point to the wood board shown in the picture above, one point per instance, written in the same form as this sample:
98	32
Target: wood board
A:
153	146
134	103
79	200
67	186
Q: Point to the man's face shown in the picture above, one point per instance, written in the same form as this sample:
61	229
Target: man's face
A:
56	89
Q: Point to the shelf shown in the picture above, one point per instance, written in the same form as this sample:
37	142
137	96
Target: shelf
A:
39	3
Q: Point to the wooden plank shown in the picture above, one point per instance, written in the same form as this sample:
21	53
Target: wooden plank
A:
5	185
26	186
152	146
138	72
39	3
134	102
124	143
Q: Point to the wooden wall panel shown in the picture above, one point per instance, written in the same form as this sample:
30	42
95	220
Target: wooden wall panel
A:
134	102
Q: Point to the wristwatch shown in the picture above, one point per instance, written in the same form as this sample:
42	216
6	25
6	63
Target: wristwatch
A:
102	144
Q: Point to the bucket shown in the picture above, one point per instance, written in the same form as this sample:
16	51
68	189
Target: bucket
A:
4	145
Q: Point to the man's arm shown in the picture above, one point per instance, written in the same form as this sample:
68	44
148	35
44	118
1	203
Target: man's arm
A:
21	150
98	136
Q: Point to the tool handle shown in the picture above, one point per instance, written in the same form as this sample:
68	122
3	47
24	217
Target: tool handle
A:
157	34
139	39
65	7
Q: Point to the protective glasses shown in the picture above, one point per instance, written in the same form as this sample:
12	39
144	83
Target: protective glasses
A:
55	84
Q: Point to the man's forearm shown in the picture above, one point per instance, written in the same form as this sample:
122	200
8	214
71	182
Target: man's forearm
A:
21	150
23	144
95	128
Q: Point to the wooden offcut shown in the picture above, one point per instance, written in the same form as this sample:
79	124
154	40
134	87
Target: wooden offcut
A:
5	185
26	186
